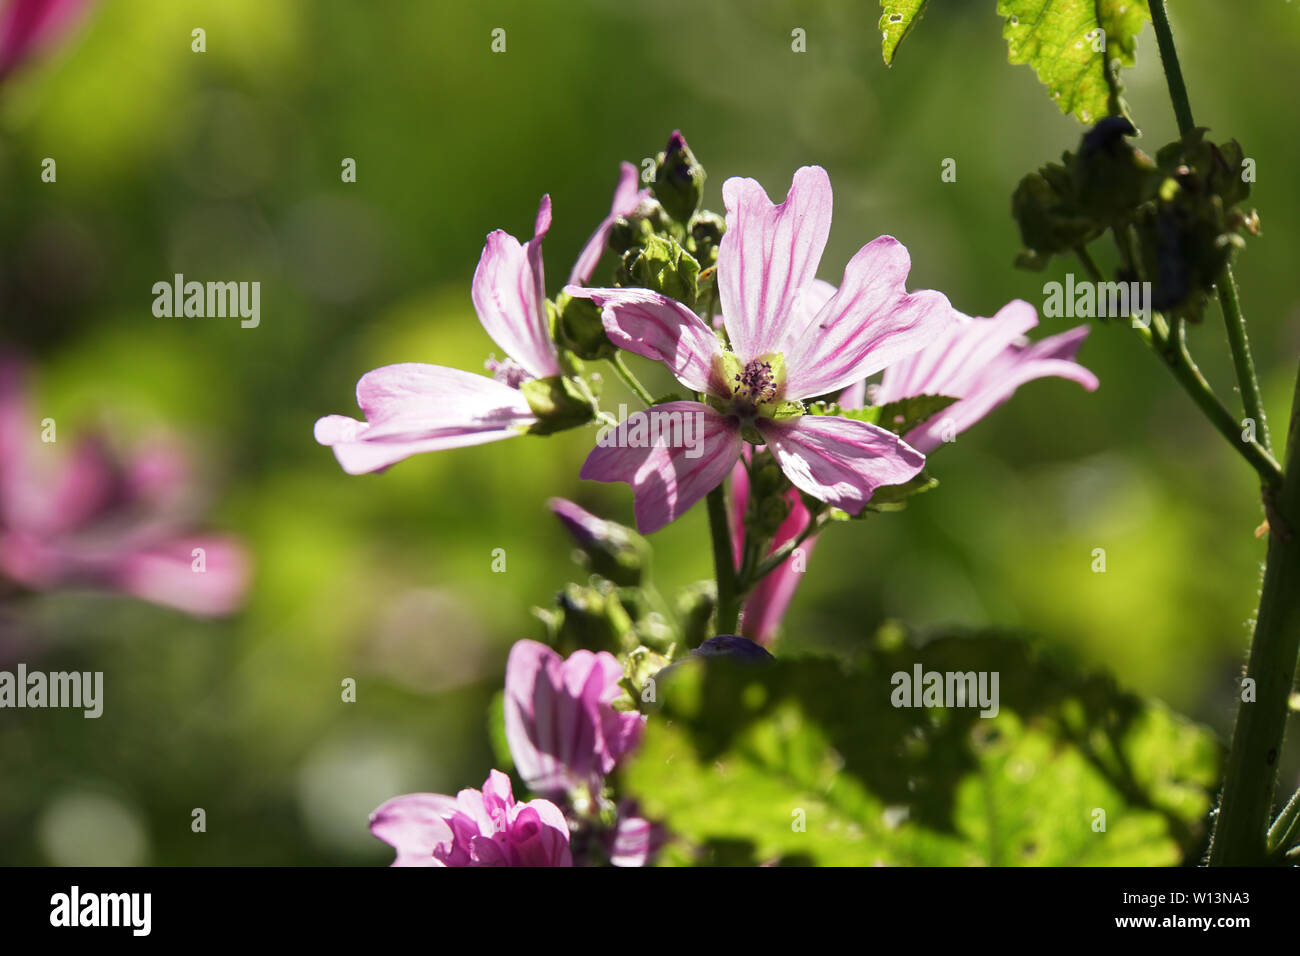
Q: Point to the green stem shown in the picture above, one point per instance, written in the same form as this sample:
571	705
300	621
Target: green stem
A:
724	566
1171	345
1239	342
631	380
1240	837
773	560
1173	72
1242	362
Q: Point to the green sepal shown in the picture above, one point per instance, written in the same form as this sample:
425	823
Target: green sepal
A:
662	265
559	402
580	328
894	497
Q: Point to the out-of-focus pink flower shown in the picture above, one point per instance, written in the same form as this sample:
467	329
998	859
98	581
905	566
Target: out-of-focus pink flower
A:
634	840
767	602
561	726
784	348
626	198
89	519
26	26
982	362
474	828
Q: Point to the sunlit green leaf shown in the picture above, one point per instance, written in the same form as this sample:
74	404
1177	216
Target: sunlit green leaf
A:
800	762
1069	43
896	22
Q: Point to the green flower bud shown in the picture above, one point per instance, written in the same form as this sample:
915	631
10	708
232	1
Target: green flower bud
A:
663	266
679	179
611	550
581	329
559	403
706	231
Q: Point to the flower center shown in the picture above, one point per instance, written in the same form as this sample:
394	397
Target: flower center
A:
755	383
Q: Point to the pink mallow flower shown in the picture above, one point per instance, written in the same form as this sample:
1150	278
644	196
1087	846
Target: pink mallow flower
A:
88	519
27	26
784	348
981	362
412	408
564	734
474	828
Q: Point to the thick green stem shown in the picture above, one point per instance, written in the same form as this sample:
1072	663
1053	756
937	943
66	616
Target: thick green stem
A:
724	566
1251	778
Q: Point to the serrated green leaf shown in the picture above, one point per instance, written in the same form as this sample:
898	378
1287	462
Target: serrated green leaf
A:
801	762
896	22
1059	39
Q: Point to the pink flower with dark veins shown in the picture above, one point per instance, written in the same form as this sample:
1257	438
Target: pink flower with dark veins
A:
474	828
785	348
564	734
981	362
412	407
88	519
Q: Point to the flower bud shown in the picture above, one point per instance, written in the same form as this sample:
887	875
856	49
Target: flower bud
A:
581	329
679	179
663	266
610	549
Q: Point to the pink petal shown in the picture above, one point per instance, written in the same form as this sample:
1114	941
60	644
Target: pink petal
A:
767	603
869	324
983	362
626	198
839	460
27	25
532	716
412	408
509	294
957	358
664	477
166	574
662	329
768	255
415	825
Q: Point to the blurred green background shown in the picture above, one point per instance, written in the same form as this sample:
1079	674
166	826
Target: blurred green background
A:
226	165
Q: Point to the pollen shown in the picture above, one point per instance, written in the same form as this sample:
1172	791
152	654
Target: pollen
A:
756	383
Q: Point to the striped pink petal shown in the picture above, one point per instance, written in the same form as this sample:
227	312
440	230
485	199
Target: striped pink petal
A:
839	460
669	476
509	294
870	323
662	329
412	408
768	255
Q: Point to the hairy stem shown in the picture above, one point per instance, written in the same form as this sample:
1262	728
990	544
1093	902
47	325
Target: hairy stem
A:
1241	358
1251	777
